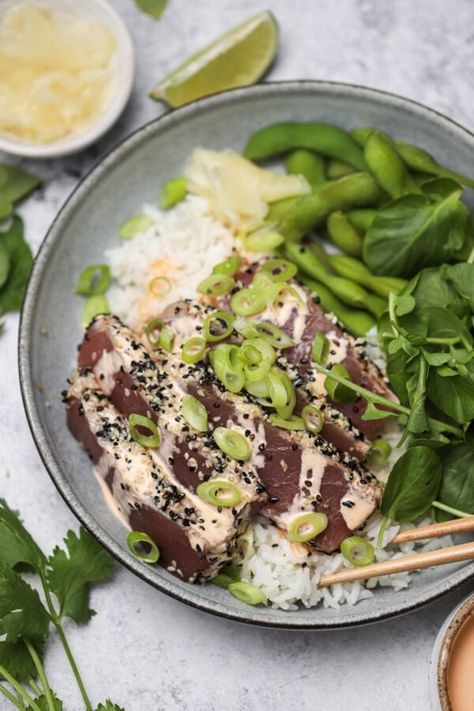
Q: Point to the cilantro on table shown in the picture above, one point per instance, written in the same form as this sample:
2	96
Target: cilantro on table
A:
29	613
15	255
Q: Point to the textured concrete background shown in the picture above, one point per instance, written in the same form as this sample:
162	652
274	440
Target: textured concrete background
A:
147	651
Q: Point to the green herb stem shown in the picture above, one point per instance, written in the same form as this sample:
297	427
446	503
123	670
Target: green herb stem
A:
19	689
11	698
449	509
41	673
36	688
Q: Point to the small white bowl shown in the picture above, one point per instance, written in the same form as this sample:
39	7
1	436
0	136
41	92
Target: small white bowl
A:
442	652
123	65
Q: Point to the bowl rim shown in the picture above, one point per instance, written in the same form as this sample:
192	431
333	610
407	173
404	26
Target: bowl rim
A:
190	595
125	54
454	622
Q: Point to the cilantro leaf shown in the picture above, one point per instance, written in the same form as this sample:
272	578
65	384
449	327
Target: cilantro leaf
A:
71	572
16	183
16	659
109	706
42	702
21	261
17	546
22	615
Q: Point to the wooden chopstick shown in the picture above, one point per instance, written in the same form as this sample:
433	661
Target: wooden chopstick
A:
434	530
442	556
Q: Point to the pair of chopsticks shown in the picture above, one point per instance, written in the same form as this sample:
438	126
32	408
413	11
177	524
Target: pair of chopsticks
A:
416	561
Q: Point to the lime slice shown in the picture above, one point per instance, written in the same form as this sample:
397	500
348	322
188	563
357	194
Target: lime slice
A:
237	58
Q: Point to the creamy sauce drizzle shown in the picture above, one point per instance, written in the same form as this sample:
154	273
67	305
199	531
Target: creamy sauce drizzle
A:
461	668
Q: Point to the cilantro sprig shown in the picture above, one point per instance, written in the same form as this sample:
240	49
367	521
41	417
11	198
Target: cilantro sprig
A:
30	612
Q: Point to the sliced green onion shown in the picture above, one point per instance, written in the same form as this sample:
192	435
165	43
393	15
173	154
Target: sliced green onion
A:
138	538
159	286
248	302
227	575
172	192
154	327
166	339
379	453
216	285
245	328
232	443
218	326
251	355
274	335
133	226
336	391
248	593
227	365
229	266
292	423
93	280
256	372
219	493
193	350
94	305
245	545
313	418
306	527
259	389
263	241
140	421
279	290
279	269
279	383
267	351
320	348
194	413
358	551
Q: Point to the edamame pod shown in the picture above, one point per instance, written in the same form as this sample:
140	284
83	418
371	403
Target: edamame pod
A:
337	169
362	218
343	234
345	289
323	138
279	209
418	159
308	164
357	271
356	190
361	134
356	321
387	167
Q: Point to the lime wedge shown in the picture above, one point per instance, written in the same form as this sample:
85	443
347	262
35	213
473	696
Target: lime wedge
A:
237	58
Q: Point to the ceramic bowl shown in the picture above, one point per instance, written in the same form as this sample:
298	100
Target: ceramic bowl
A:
87	224
123	67
438	676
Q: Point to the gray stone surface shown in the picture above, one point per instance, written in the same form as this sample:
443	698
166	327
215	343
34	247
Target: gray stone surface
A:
145	650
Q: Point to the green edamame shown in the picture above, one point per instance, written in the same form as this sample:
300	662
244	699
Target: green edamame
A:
343	234
323	138
356	190
278	210
361	134
356	321
362	218
345	289
337	169
422	161
387	167
308	164
357	271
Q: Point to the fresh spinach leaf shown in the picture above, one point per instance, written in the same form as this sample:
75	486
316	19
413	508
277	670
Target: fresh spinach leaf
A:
412	485
154	8
462	278
412	232
457	485
453	395
21	260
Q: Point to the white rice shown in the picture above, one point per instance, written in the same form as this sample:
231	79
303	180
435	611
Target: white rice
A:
192	242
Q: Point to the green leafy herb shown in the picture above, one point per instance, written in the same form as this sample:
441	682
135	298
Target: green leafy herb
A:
412	485
12	243
109	706
457	485
27	615
414	232
154	8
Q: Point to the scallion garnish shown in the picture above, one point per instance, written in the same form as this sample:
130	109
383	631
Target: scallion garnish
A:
313	418
306	527
245	328
219	492
216	285
263	240
358	551
193	350
274	335
137	423
218	326
166	339
292	423
133	226
229	266
232	443
249	301
228	367
94	306
159	335
379	453
151	554
194	413
279	270
320	348
248	593
336	391
93	280
172	192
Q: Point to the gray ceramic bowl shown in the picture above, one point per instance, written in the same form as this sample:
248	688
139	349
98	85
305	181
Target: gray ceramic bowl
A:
123	180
